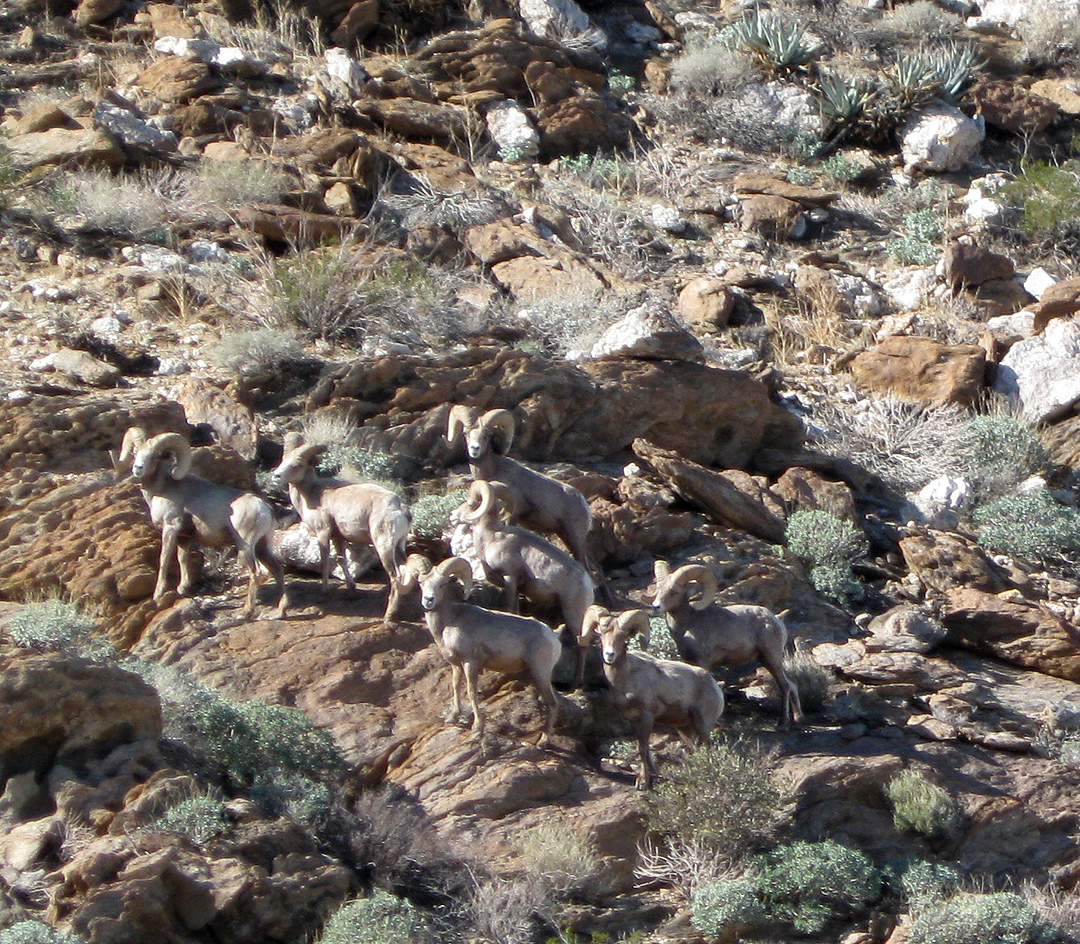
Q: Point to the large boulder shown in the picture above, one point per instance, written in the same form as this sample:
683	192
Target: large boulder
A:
922	370
940	138
650	333
1042	374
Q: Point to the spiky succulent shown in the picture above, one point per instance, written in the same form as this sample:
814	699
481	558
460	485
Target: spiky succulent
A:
841	101
779	46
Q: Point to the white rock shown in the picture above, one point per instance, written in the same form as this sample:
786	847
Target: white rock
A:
946	492
642	33
512	131
172	367
107	326
648	332
909	290
20	396
779	105
206	250
1033	483
986	211
558	19
1042	374
202	49
157	259
1011	14
235	60
1037	282
940	138
44	364
668	219
343	68
864	299
1005	326
130	129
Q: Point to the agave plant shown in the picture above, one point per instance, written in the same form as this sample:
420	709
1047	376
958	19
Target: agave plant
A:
779	46
954	68
841	101
914	80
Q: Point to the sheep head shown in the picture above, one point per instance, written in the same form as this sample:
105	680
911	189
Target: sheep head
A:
492	431
488	498
434	586
415	568
617	631
673	587
133	440
297	463
167	453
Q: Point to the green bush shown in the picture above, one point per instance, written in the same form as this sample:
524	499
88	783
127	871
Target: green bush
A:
200	818
920	806
1030	524
841	169
1047	196
811	680
380	919
810	884
721	909
723	793
1000	918
286	793
827	546
922	883
35	932
370	465
711	70
1005	451
58	626
431	513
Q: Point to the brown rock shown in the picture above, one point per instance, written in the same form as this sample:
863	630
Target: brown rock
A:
319	149
1063	441
177	79
1001	297
582	122
167	19
89	12
563	275
232	424
706	304
1062	92
357	25
501	240
623	534
718	494
416	120
806	490
284	224
1013	629
81	148
1012	108
967	264
806	197
944	561
770	217
921	370
1060	300
45	117
85	368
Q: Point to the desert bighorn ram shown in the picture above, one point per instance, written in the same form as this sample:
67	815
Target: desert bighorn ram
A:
709	635
345	513
471	638
650	691
190	510
519	560
540	502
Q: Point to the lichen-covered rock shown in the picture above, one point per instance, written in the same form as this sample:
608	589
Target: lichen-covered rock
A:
940	138
921	370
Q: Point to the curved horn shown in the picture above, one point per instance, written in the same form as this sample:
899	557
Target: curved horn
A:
457	567
660	569
134	439
635	621
460	417
179	446
702	575
594	616
479	492
500	421
311	451
293	440
415	567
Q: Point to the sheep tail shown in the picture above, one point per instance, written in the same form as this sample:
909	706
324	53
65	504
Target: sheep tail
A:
789	640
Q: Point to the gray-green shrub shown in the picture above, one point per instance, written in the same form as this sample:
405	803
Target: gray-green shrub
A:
722	909
812	681
920	806
827	546
1029	524
258	352
380	919
723	793
564	857
36	932
811	884
58	626
286	793
999	918
431	513
922	883
1005	451
200	818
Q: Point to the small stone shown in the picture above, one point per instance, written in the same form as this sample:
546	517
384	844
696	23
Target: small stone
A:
668	219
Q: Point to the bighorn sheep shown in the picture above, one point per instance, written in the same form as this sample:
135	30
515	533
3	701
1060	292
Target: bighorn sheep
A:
519	560
345	513
540	502
649	691
191	510
471	638
708	635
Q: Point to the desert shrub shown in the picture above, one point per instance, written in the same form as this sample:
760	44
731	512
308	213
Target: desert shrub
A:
58	626
685	863
920	806
258	352
827	546
712	69
123	205
9	175
1029	524
287	793
369	465
565	325
236	184
200	818
504	911
661	642
811	680
599	172
721	909
723	793
921	883
431	513
841	169
35	932
1004	451
918	244
1049	35
802	176
621	83
1002	917
564	858
380	919
1047	195
812	883
924	21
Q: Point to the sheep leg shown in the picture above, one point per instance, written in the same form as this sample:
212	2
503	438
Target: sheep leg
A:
647	768
272	564
579	665
510	594
455	684
547	696
247	558
387	559
189	567
472	672
791	706
169	538
325	561
342	548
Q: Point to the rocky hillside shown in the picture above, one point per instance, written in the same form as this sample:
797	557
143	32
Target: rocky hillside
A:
785	289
